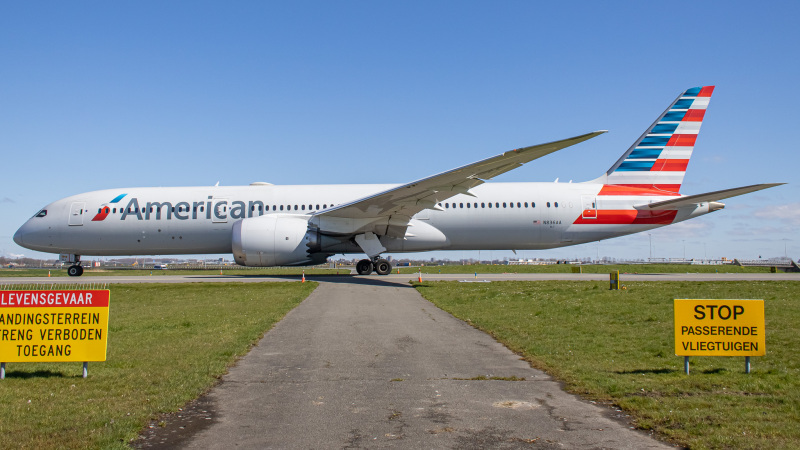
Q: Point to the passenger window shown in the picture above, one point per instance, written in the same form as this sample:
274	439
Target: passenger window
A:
496	204
518	205
303	207
317	206
504	204
324	206
511	205
281	207
526	204
447	205
475	204
467	205
556	204
548	204
483	205
490	205
295	207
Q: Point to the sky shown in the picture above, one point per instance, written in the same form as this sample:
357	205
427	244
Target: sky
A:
99	95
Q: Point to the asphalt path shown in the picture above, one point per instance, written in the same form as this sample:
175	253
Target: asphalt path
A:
368	363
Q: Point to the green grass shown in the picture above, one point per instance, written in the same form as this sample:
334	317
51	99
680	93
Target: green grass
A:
167	345
589	268
104	272
618	347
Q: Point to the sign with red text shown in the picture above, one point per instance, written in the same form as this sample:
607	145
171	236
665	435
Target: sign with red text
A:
719	328
53	326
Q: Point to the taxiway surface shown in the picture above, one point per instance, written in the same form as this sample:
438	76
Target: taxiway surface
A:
401	278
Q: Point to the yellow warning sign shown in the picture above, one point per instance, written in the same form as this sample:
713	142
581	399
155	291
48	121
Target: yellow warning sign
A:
719	328
53	326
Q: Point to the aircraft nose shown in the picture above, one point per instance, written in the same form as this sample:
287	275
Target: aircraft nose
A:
18	236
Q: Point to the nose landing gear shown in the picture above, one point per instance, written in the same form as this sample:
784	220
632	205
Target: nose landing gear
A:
75	269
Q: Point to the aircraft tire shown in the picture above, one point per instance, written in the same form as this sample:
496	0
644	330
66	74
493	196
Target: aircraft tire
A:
383	267
364	267
75	271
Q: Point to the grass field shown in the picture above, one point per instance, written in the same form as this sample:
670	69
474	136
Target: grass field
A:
103	272
588	268
618	347
167	345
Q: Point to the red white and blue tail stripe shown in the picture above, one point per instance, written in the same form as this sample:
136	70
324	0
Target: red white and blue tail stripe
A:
658	159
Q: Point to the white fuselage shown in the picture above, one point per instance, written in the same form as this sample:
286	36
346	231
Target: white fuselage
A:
199	220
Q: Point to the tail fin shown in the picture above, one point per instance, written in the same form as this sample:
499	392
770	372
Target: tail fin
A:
658	159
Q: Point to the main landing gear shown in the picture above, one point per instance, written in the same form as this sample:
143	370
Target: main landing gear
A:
75	270
379	265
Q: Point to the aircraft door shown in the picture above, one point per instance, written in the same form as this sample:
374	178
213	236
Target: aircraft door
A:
76	212
589	206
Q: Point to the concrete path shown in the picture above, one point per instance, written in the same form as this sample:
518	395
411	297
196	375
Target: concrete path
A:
368	363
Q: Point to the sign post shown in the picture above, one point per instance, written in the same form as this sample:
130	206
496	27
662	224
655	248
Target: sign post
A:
614	280
719	328
53	326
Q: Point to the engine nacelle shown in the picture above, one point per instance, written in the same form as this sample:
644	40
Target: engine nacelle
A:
275	240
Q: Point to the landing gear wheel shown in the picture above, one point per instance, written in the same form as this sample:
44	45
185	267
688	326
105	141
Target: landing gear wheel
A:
75	271
364	267
383	267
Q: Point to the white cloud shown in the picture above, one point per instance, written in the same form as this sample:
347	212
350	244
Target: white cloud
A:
715	159
790	213
766	233
689	229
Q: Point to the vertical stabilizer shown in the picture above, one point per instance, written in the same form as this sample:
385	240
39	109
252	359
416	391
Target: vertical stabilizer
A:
658	159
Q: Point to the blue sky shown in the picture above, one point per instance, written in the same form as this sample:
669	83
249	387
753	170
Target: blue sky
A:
102	95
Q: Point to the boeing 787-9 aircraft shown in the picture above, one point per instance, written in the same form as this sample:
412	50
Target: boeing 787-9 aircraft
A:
265	225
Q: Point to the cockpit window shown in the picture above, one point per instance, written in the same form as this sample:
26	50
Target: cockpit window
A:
41	213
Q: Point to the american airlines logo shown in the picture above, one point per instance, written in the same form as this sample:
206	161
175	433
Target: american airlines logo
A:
104	210
214	209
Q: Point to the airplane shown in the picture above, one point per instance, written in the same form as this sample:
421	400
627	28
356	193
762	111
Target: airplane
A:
266	225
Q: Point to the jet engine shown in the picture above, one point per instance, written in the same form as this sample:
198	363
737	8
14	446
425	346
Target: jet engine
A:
275	240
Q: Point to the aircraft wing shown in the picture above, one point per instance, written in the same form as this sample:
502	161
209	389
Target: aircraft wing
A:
707	197
395	207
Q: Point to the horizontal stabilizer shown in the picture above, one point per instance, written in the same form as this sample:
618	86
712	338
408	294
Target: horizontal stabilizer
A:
707	197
